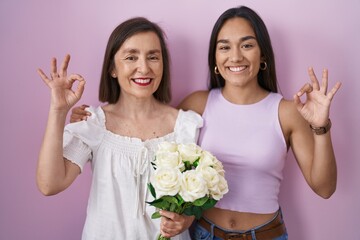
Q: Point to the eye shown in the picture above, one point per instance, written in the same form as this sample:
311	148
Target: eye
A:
247	45
131	58
223	47
154	58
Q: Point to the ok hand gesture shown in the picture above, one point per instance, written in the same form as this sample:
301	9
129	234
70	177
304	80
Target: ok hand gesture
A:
62	95
316	107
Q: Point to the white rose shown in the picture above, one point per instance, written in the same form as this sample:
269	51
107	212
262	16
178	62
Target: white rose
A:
219	167
165	159
167	147
193	186
166	181
210	175
189	152
207	159
221	188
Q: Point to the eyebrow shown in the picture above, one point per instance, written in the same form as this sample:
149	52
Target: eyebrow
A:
241	39
134	50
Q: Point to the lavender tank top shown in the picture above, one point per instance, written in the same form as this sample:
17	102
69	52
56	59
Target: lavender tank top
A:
248	140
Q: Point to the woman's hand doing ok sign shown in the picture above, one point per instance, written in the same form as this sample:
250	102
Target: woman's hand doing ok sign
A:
63	97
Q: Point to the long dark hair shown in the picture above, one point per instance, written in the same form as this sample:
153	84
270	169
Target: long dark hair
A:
266	78
109	89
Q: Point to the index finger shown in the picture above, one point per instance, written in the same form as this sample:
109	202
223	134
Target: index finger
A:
334	90
168	214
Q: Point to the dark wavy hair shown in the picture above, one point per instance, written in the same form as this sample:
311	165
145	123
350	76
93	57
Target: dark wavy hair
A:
266	78
109	89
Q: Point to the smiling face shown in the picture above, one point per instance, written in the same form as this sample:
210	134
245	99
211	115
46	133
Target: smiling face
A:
139	65
238	54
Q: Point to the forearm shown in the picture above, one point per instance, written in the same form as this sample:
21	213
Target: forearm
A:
51	171
324	170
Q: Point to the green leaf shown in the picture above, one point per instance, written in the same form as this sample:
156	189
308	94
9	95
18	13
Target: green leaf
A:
160	203
201	201
155	215
155	201
173	207
171	199
187	205
152	190
188	211
180	199
165	205
209	203
193	211
187	165
196	162
196	211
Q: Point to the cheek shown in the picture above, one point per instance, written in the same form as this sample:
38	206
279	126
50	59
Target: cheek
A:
158	69
217	59
256	64
122	69
220	59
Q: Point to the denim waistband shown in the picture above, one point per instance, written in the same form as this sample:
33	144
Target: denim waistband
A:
274	225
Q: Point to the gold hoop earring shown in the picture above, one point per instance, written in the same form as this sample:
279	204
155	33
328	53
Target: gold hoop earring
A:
263	66
216	70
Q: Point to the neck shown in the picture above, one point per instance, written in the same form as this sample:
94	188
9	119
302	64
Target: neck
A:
244	96
135	107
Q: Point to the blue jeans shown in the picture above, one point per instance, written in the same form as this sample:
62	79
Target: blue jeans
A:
200	233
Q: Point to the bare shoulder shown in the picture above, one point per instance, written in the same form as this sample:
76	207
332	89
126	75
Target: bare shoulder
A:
287	106
290	117
195	101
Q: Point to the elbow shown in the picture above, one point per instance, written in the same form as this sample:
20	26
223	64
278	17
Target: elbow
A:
327	191
327	194
325	187
46	191
45	188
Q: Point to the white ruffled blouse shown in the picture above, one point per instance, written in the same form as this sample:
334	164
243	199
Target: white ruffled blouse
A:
121	166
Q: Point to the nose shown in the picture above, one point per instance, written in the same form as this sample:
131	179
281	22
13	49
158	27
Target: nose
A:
143	66
236	55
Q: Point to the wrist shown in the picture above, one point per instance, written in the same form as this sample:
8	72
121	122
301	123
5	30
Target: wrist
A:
321	130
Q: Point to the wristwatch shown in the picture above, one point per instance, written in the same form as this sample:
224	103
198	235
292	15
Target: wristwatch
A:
321	130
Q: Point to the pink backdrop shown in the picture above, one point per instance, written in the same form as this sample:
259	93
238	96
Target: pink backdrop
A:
322	33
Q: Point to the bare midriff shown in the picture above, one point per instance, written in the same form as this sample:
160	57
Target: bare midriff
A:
236	221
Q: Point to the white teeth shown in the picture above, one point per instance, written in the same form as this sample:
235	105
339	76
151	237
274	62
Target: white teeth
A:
237	69
142	81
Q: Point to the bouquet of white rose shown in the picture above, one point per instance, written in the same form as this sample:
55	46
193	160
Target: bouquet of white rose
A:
187	180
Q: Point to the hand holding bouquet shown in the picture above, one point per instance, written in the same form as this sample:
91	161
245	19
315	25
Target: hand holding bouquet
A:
187	180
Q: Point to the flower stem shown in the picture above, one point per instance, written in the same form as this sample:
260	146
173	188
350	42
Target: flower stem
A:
163	238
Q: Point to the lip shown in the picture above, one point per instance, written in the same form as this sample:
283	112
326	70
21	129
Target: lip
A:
143	81
237	69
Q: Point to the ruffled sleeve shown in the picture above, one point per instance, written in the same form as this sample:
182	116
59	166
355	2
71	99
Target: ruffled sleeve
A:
82	138
188	126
